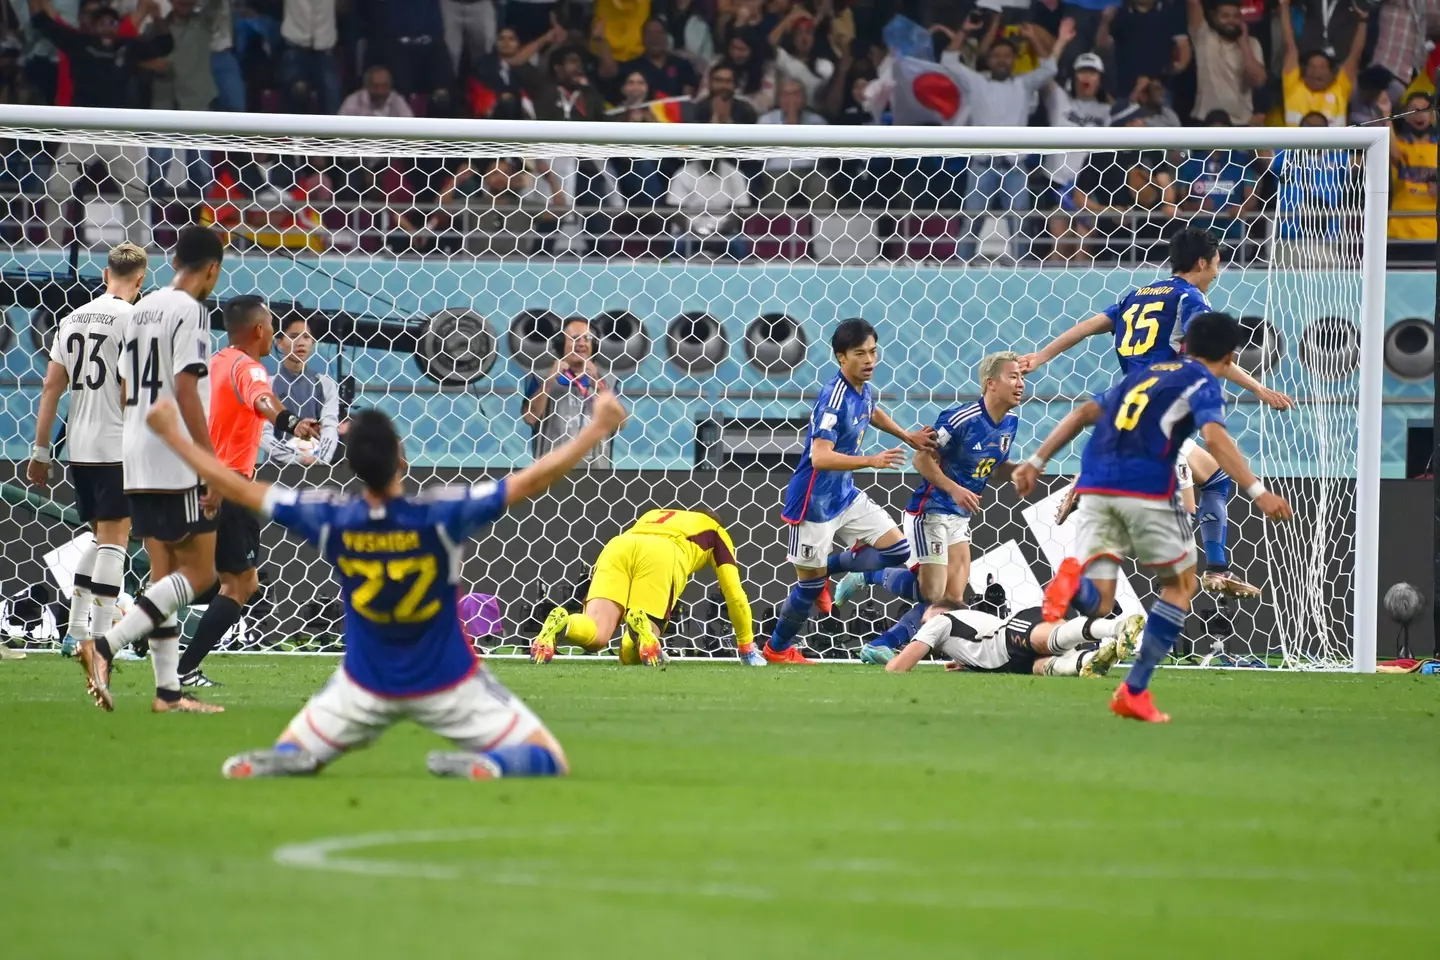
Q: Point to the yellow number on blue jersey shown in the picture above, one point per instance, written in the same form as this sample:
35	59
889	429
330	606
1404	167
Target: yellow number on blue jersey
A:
377	573
1136	400
983	468
1139	318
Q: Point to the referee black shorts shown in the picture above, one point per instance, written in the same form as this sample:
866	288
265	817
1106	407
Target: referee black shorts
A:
99	491
237	539
169	516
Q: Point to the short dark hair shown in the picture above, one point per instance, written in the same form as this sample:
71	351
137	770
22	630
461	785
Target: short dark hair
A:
240	312
1212	336
851	334
1190	246
1004	42
197	247
1218	118
372	448
1309	55
290	321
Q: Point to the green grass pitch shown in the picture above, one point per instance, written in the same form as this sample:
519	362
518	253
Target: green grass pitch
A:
716	811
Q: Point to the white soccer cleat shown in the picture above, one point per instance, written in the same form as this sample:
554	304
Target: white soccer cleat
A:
465	766
1127	636
754	658
269	763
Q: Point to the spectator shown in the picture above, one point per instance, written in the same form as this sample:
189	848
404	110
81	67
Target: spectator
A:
1330	26
1371	100
619	25
690	34
796	56
310	396
224	65
530	18
665	74
1319	87
754	81
1087	15
1412	175
1083	104
567	95
506	69
1146	106
416	33
1216	186
845	101
789	179
558	407
638	180
307	67
1130	194
1312	185
184	81
1400	44
15	87
469	30
102	68
377	98
1001	99
1228	64
722	105
1132	35
710	194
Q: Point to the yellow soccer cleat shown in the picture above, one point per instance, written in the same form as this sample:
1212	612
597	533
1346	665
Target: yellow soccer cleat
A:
629	656
647	645
542	650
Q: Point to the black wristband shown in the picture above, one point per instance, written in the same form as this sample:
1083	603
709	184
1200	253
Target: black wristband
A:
284	423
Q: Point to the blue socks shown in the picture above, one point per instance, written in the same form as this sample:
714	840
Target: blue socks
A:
1163	627
524	760
795	611
898	580
1214	518
869	558
1087	598
904	630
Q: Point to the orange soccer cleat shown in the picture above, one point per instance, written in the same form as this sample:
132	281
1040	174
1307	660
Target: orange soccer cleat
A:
826	601
790	655
1062	590
1136	706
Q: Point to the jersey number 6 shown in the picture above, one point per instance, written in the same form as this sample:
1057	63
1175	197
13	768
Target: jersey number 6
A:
1128	416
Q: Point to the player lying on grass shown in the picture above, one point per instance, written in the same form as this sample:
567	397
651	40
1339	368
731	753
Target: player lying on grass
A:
972	443
1149	325
638	578
822	503
1082	647
1127	483
397	560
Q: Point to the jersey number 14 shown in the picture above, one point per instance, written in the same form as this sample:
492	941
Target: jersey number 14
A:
148	376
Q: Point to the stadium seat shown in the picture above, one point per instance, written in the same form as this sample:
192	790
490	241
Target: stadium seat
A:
780	236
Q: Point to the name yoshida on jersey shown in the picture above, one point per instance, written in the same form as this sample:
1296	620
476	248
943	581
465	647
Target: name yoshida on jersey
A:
166	334
87	345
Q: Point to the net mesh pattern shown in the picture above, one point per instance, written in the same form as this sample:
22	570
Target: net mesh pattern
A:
438	280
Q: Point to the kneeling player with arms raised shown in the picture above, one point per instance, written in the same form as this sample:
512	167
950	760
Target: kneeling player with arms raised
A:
1025	643
639	576
1127	483
397	560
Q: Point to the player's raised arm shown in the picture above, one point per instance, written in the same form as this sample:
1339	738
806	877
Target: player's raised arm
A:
164	419
56	379
606	416
1222	447
922	439
1273	399
1066	430
1098	324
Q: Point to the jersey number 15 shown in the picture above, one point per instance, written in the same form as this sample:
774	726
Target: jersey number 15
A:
1139	318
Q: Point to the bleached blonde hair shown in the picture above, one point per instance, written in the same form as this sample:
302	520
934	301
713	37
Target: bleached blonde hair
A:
991	366
127	259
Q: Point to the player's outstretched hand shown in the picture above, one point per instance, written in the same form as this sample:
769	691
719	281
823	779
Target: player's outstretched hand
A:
608	411
308	429
1274	506
889	460
923	438
38	473
1030	362
1024	477
164	416
1276	400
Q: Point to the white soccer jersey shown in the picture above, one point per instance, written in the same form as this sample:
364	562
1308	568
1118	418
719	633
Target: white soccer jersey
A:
87	345
167	333
967	637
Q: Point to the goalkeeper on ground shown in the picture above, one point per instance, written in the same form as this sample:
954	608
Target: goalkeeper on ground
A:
639	576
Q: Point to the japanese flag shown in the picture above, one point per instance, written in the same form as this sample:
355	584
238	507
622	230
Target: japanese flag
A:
925	94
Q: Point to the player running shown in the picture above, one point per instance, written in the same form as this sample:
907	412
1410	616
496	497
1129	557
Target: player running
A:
639	576
1025	643
241	404
398	559
1149	325
85	360
1127	481
165	355
972	446
822	503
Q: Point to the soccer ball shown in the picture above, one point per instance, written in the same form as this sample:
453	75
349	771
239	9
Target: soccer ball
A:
304	450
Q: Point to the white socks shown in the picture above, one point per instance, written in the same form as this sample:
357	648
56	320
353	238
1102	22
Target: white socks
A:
1068	664
165	656
105	587
154	608
1072	633
80	598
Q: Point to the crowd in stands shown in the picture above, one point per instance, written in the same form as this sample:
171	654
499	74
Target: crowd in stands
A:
1090	63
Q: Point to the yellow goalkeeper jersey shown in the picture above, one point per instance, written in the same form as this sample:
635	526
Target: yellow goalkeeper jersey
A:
701	542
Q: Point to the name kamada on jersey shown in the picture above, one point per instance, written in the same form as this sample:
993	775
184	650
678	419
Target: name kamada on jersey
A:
164	335
87	345
842	415
971	446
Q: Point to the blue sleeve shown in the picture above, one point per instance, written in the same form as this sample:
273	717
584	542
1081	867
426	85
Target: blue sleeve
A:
1191	305
943	436
1116	309
308	513
1207	405
824	425
1106	398
462	511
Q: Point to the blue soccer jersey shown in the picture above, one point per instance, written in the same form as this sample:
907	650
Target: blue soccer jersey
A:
841	416
1147	416
970	446
398	566
1150	323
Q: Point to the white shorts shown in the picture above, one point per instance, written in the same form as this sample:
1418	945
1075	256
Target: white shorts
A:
1182	465
1154	533
931	535
864	521
478	714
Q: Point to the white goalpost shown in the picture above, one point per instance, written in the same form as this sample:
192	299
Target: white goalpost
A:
440	263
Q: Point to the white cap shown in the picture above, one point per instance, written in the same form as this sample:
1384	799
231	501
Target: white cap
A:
1090	61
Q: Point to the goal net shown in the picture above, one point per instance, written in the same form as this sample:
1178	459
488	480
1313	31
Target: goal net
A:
475	279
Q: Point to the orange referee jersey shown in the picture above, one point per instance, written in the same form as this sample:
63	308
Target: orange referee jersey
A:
237	380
